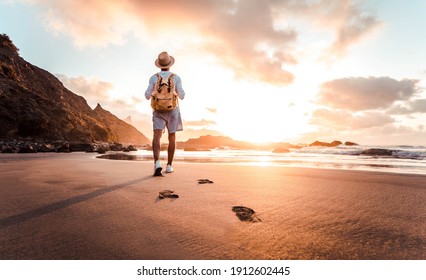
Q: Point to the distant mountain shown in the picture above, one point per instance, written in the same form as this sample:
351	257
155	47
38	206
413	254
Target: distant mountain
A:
208	142
213	142
119	130
35	104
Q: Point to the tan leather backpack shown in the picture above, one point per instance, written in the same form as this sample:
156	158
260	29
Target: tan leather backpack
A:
164	97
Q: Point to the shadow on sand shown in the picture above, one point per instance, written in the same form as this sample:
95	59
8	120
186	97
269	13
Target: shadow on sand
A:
16	219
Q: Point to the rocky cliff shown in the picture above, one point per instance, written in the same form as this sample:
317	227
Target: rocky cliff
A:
35	104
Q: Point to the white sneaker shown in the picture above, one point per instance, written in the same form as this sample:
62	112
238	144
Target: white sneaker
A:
169	168
157	168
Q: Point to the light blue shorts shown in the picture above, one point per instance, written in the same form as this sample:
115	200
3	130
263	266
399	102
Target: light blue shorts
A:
170	119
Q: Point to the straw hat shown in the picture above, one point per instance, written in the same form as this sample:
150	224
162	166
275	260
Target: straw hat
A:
164	60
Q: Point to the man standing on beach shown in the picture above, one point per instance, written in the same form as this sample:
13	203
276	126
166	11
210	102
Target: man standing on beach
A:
165	118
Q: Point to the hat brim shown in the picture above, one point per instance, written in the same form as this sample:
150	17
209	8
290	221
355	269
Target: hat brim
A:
172	61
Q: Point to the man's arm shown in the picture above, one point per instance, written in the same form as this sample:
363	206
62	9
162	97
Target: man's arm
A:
178	86
150	89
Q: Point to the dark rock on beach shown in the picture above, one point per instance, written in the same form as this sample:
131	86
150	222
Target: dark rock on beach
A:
45	148
26	146
65	148
27	149
18	146
82	147
116	147
101	150
130	148
9	151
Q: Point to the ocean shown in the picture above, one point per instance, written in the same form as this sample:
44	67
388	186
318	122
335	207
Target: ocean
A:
395	159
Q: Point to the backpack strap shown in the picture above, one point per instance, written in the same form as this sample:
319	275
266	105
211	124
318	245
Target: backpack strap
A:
159	82
169	82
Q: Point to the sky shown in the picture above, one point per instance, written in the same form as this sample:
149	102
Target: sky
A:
264	71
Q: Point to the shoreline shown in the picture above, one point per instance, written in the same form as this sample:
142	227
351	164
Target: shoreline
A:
163	158
73	206
269	161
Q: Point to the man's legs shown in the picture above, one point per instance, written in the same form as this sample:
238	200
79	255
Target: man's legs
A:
156	143
171	149
156	151
173	122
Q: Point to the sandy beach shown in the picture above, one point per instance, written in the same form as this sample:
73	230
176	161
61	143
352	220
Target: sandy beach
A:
74	206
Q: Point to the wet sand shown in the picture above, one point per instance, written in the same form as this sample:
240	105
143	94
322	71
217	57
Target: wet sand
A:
73	206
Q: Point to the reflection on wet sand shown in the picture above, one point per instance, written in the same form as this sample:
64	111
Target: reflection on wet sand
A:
119	156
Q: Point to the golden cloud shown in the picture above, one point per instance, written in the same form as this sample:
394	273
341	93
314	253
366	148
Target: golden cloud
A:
256	39
344	120
360	93
93	90
201	122
409	107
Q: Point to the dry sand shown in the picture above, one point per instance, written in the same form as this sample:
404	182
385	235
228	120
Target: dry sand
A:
73	206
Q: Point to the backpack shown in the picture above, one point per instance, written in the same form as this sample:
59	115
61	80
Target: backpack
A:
164	97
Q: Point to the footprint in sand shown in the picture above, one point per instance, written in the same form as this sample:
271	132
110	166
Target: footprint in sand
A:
205	181
167	194
246	214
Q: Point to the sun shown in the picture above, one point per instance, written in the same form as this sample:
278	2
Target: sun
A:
261	121
252	110
264	132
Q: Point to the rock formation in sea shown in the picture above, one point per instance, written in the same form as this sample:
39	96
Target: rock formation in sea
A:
325	144
34	104
335	143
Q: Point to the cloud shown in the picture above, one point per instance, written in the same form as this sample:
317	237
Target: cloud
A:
246	41
337	119
89	23
256	39
93	90
409	107
196	133
212	110
361	93
418	106
349	22
344	120
355	25
399	133
370	119
388	134
359	106
201	122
